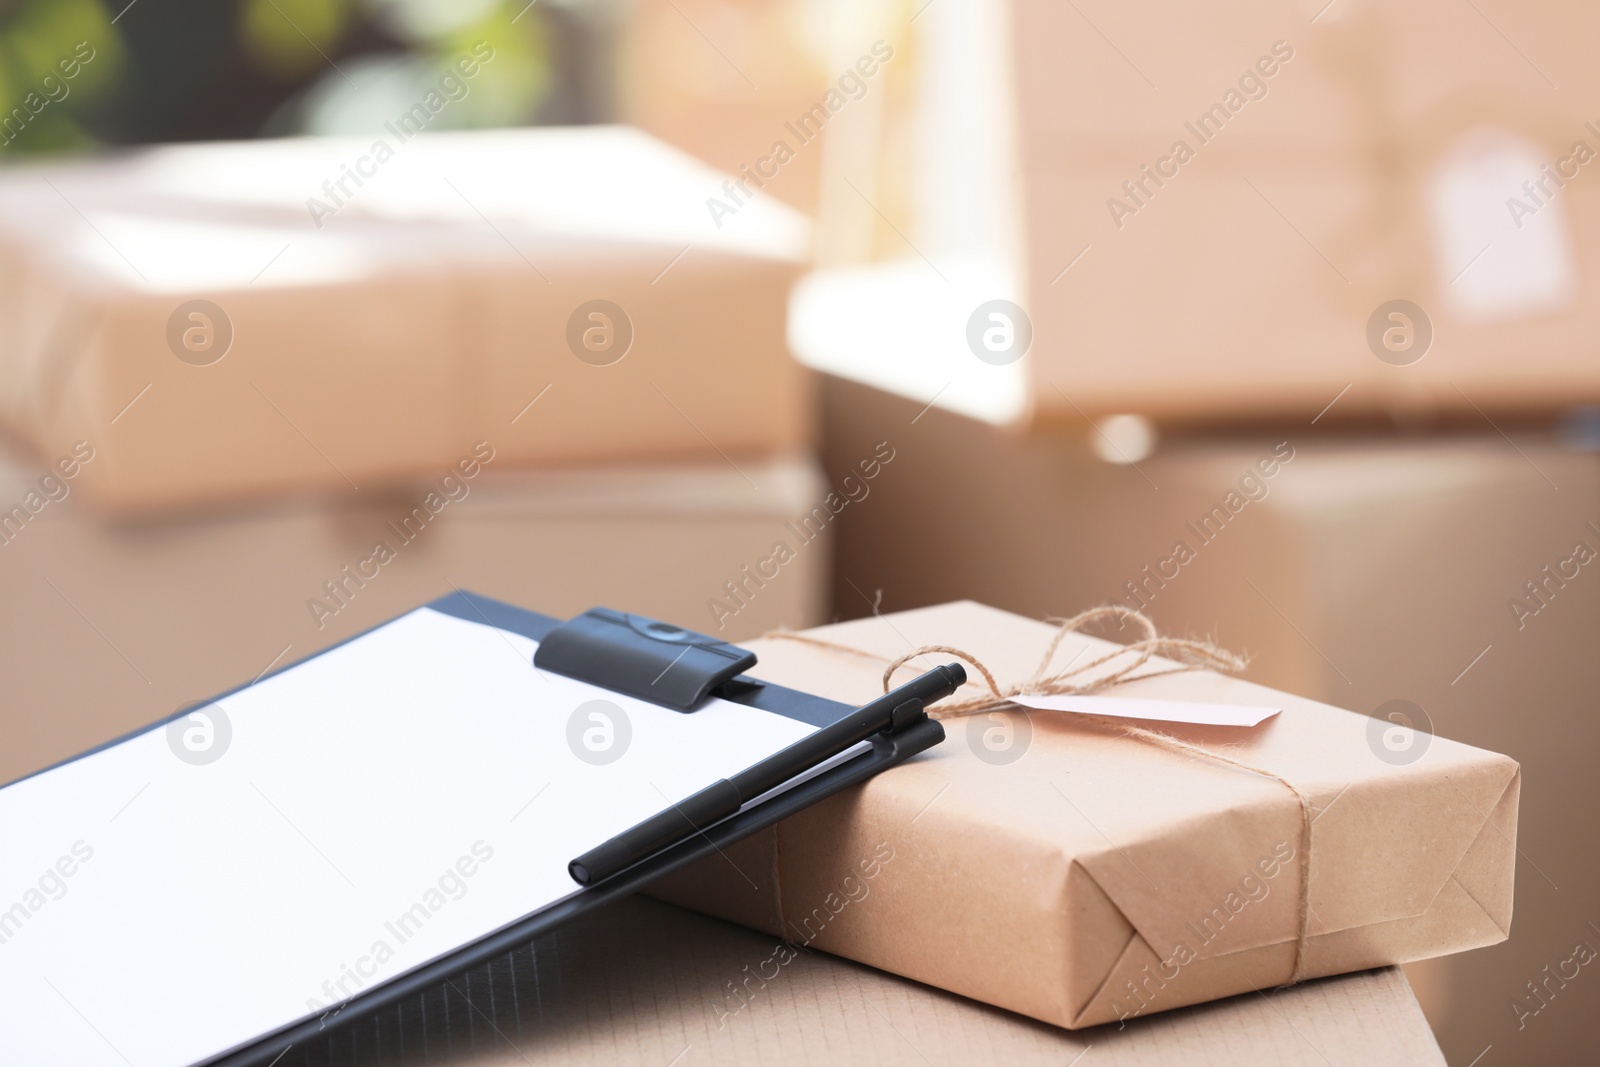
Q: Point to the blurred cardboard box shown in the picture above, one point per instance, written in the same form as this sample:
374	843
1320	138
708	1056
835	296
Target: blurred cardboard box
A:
112	625
1438	579
720	78
1289	181
1213	216
219	321
1077	873
641	982
802	101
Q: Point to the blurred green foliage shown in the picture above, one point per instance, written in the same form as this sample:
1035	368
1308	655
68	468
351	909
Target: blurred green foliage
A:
510	88
57	59
290	39
178	69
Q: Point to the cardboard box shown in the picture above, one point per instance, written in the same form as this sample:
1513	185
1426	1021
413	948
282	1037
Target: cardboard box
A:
724	92
795	100
643	982
1070	872
220	321
1372	570
112	625
1205	216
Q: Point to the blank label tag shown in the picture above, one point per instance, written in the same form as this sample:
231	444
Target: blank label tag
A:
1502	243
1160	710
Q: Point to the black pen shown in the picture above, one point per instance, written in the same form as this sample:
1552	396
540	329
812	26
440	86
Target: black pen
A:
893	711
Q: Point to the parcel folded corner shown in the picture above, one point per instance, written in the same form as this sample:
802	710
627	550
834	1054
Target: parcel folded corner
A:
1080	875
209	321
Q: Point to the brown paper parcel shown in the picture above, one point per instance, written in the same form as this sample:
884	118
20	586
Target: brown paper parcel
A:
1068	871
212	339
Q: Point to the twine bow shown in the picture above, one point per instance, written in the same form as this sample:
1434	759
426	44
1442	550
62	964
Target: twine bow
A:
1190	655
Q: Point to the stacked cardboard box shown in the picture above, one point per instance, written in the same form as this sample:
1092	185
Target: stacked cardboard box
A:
1216	215
270	394
111	625
1206	217
735	996
1440	580
1081	872
230	320
719	80
1291	177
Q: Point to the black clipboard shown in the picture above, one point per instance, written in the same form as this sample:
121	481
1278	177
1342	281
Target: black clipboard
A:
611	650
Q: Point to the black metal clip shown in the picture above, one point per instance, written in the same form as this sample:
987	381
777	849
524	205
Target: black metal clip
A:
642	657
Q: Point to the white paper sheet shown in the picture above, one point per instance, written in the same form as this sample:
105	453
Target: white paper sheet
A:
1160	710
376	807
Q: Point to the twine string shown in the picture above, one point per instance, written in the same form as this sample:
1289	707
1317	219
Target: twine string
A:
1188	655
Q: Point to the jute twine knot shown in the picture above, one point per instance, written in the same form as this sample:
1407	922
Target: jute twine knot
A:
1186	653
1190	655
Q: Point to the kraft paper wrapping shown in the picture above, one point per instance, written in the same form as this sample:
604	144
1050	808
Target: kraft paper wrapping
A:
1097	877
374	346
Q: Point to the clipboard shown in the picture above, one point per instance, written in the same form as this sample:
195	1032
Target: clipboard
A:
667	675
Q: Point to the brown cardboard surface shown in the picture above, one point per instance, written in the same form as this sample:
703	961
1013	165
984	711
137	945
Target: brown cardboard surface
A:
371	344
646	983
1243	283
1355	71
112	625
727	110
1238	279
1254	322
1007	876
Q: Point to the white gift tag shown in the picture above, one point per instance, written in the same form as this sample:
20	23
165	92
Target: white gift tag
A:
1502	242
1140	708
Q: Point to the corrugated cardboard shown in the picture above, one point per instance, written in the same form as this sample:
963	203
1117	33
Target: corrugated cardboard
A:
643	983
432	307
112	625
1094	876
